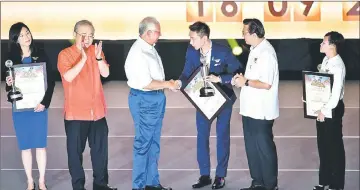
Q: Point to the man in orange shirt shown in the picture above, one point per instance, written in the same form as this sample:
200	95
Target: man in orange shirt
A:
80	67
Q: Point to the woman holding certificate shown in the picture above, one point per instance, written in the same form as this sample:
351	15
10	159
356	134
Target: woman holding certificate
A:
30	126
329	130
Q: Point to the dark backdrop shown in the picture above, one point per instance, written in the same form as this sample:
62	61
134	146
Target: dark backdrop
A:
294	55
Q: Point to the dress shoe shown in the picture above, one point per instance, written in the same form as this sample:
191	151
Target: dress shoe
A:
252	187
42	189
160	187
321	187
103	187
219	183
202	182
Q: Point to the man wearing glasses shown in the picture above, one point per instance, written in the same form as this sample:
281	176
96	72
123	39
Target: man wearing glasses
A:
259	106
146	79
80	67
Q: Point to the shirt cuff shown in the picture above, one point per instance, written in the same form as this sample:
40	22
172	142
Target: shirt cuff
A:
179	84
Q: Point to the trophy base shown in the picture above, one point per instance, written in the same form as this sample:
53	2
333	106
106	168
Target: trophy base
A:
14	96
207	92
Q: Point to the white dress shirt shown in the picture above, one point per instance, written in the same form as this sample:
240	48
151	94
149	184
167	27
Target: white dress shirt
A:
207	55
143	64
262	65
335	66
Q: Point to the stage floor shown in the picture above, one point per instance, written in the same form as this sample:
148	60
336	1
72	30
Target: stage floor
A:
295	138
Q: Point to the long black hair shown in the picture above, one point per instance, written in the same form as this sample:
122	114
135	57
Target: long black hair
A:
14	34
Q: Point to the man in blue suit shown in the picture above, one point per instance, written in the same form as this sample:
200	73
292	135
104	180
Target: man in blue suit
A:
223	66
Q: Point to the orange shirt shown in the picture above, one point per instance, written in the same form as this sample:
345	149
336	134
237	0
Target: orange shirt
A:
84	95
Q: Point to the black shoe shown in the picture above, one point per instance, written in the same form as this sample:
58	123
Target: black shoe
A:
252	187
321	187
160	187
332	188
203	181
219	183
42	189
103	187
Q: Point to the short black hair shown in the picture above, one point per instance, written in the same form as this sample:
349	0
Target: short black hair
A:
14	34
337	39
255	26
201	28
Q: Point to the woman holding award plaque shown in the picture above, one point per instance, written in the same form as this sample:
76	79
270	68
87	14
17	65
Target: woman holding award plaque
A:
329	130
30	126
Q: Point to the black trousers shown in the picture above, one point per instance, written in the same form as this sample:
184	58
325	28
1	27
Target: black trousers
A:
77	133
331	149
261	151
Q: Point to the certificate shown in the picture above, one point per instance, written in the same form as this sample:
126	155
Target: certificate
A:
211	106
30	80
316	93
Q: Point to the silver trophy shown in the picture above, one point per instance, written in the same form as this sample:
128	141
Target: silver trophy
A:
14	94
205	91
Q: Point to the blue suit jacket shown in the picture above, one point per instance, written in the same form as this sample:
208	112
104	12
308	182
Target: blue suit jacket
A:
222	63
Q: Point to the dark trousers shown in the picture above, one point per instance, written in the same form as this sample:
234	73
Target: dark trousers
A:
222	141
77	132
261	151
331	149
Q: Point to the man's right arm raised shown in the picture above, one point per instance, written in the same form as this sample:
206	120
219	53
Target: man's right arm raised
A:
67	70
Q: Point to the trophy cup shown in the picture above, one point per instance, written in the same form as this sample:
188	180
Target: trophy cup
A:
14	94
205	91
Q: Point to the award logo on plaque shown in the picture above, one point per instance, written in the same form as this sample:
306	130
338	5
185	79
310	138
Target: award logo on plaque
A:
317	88
209	106
31	81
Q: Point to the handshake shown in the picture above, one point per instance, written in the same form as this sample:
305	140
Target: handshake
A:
173	85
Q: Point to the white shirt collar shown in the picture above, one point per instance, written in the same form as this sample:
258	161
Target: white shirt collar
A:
259	46
207	53
144	44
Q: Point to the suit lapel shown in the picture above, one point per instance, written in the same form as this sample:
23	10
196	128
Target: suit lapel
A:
197	59
213	57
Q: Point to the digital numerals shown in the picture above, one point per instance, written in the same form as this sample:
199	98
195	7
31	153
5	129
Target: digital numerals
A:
199	11
279	11
228	11
303	11
351	11
307	11
276	11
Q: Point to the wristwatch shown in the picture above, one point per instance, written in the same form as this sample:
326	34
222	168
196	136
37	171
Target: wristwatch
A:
247	82
99	59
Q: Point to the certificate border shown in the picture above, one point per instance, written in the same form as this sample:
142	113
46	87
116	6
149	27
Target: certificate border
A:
227	99
15	109
304	91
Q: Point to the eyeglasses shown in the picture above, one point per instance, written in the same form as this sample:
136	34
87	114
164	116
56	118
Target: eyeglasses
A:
156	31
91	37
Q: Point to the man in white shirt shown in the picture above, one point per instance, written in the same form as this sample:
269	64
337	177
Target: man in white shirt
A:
146	78
329	130
259	106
